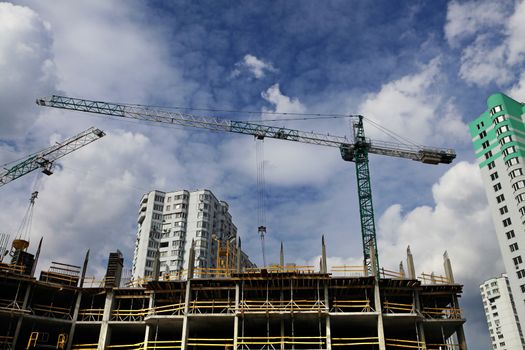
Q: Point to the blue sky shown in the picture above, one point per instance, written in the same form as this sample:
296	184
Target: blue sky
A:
420	68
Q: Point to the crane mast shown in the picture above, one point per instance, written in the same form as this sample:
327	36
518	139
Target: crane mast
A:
45	158
356	151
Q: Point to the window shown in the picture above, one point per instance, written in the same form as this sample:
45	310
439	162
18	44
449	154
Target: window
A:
168	199
493	177
482	134
500	198
168	207
488	154
512	161
522	288
149	263
516	172
522	211
499	119
506	139
497	187
485	144
517	260
520	184
506	222
521	273
495	110
510	234
503	210
179	224
513	247
509	150
157	207
163	244
491	165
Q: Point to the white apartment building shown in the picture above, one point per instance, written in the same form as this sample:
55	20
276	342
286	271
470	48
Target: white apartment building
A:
502	317
498	136
169	221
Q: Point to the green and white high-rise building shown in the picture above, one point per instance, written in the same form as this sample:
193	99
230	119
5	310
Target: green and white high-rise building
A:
498	135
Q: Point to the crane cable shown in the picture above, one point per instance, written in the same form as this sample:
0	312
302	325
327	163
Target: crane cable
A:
261	194
24	230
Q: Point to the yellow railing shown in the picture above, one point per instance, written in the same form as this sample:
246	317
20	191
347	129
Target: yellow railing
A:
355	341
280	306
52	311
405	344
351	306
47	275
442	312
287	340
92	346
171	309
398	307
384	273
223	342
348	270
443	346
213	306
426	278
19	269
90	314
280	269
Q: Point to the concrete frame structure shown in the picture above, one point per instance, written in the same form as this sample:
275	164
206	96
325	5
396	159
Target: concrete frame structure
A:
279	307
169	221
498	135
501	314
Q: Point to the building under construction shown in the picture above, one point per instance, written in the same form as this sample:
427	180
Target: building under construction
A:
276	307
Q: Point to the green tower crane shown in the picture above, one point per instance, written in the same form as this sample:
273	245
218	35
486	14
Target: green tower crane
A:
356	151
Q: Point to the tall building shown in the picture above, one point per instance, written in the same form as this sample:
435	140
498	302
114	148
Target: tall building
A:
501	314
498	135
169	221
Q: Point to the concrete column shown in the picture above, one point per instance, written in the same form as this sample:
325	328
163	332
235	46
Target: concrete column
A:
187	297
21	317
74	321
448	268
328	330
461	338
236	318
380	329
419	324
151	303
410	265
105	331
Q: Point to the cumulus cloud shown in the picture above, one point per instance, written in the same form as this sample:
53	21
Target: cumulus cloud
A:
26	65
411	106
281	103
494	35
254	66
518	90
466	18
458	222
482	63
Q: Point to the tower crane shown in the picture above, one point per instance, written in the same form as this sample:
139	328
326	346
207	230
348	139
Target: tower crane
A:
45	158
356	151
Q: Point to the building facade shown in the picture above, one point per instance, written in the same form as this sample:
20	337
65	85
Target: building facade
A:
498	135
170	221
502	317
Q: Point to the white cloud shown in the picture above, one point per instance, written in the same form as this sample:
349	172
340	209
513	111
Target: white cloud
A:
467	18
459	222
516	33
496	30
483	63
254	65
518	90
26	66
411	108
281	103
